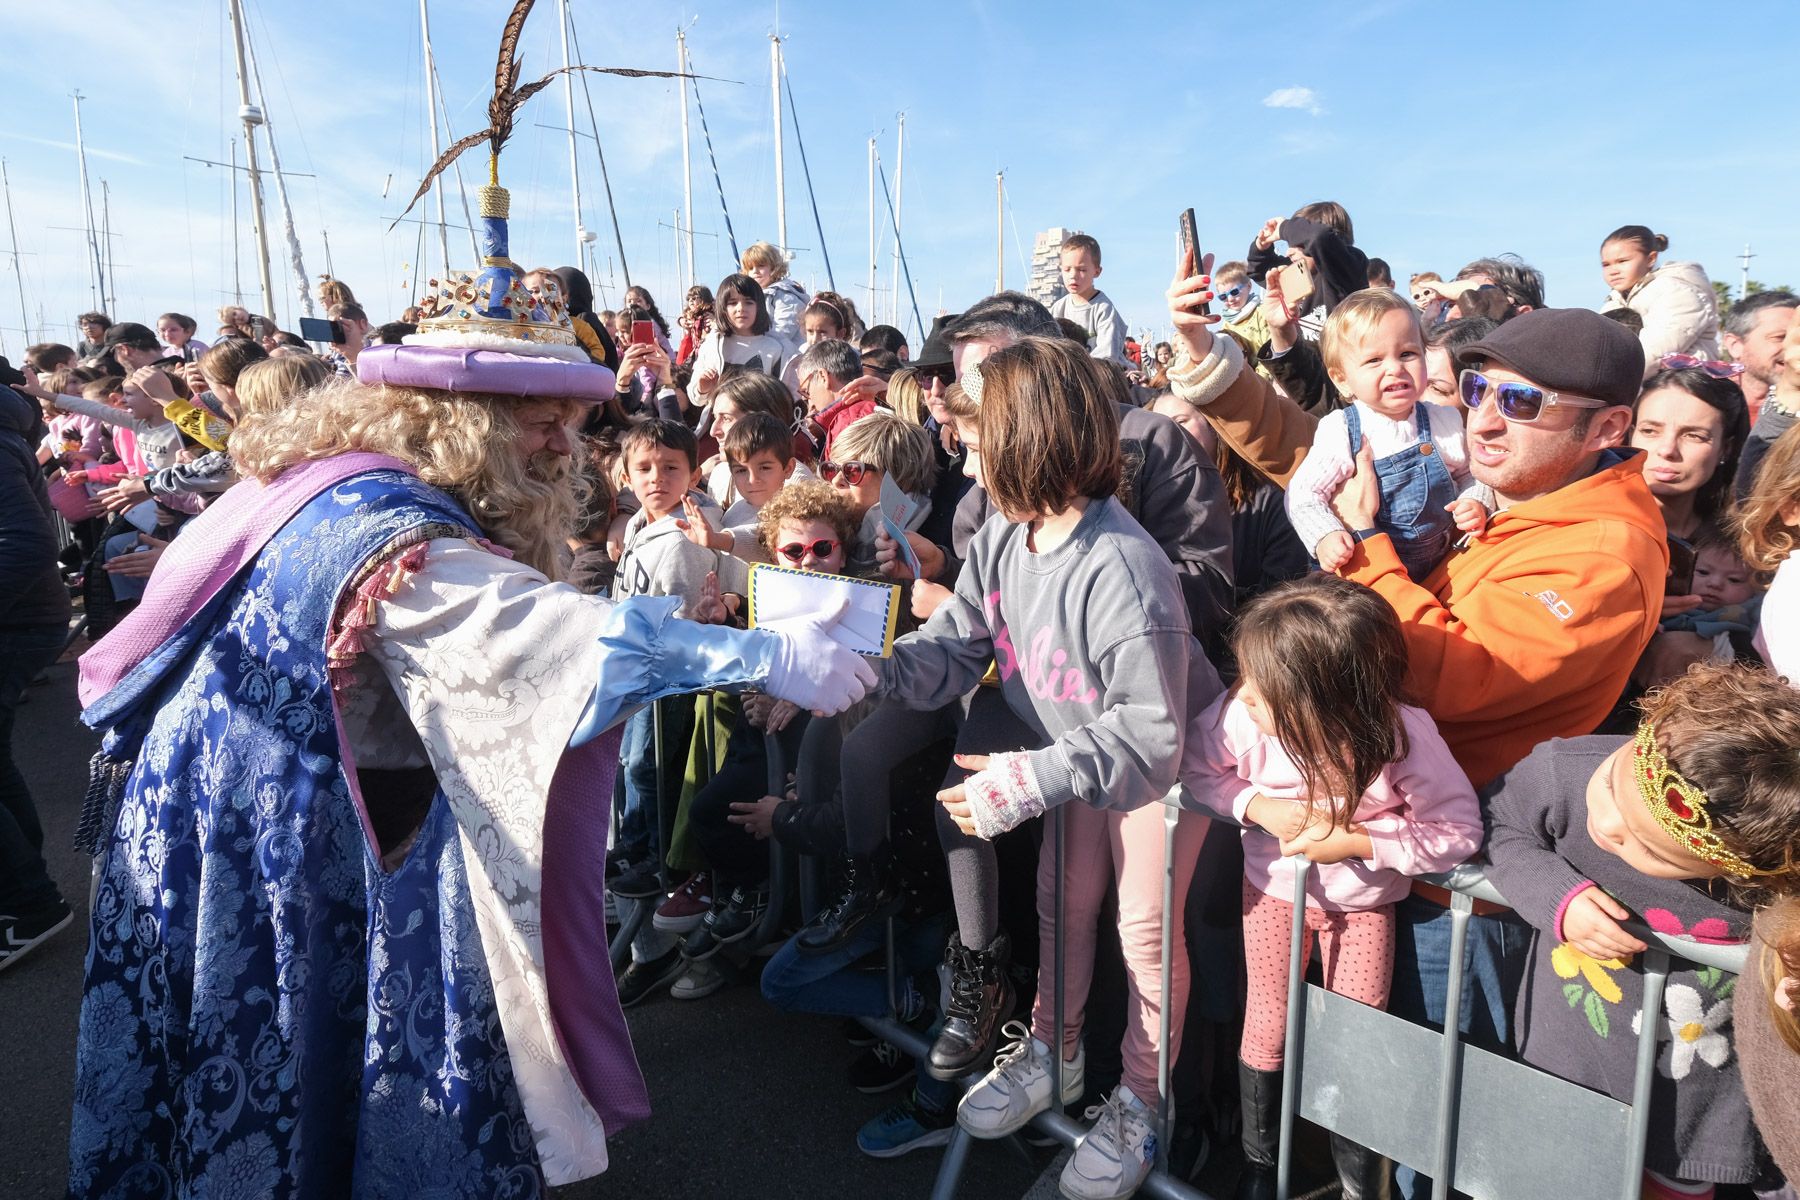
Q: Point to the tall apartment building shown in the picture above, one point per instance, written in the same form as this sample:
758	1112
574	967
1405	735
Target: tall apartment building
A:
1045	284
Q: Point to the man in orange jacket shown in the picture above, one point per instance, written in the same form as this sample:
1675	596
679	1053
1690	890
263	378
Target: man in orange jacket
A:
1527	631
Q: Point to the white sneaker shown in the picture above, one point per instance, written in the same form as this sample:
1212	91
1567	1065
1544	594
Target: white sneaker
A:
700	980
1018	1087
1111	1160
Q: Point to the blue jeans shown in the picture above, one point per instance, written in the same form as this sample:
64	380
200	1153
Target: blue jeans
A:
639	826
832	985
25	885
1495	956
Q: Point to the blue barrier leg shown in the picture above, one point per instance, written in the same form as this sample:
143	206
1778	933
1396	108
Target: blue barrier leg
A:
1637	1133
1290	1076
956	1157
1443	1166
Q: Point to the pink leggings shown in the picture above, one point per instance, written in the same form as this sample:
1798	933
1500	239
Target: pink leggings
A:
1356	950
1099	845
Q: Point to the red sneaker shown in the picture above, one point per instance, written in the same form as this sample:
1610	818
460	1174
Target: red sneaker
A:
681	913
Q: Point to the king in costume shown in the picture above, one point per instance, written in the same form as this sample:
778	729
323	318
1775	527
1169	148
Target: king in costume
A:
351	807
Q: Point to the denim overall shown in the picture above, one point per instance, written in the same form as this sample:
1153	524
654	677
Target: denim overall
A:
1415	487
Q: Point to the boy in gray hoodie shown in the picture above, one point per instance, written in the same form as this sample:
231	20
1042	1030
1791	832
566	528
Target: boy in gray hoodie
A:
661	462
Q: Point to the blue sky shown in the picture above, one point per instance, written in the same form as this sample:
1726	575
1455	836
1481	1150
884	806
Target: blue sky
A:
1449	131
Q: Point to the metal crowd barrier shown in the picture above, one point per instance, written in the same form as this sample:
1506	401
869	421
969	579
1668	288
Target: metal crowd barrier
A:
1428	1099
1453	1111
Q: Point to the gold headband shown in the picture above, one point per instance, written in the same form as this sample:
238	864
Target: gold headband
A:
1680	807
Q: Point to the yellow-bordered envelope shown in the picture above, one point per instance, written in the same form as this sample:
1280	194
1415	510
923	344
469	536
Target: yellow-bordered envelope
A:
778	592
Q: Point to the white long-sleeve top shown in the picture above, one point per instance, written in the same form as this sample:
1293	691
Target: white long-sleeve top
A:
1330	462
1680	311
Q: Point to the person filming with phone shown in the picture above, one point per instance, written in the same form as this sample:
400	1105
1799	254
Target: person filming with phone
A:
350	331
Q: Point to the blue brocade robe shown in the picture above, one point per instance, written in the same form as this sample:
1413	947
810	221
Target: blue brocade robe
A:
350	943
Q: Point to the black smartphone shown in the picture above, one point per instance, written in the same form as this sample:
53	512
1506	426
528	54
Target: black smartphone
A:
173	360
315	329
1190	248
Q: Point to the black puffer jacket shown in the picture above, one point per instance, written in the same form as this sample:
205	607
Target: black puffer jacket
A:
31	589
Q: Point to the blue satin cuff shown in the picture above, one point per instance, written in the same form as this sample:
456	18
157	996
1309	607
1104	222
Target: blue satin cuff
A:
647	652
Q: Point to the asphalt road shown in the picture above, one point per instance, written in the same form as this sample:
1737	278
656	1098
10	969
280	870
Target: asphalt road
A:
748	1101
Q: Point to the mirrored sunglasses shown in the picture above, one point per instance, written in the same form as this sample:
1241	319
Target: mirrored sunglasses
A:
1521	403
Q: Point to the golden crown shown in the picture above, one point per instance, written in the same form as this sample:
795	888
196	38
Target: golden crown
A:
1680	807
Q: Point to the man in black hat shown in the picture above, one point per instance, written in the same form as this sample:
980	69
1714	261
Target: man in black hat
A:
131	346
1527	631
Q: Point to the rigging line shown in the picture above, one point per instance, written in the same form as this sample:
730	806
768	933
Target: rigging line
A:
302	285
807	171
714	160
605	182
1012	218
899	247
462	188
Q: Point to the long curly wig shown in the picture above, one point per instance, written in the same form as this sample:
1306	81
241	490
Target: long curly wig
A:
463	443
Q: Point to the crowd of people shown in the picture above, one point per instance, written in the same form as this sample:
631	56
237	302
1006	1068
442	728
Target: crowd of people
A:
1387	581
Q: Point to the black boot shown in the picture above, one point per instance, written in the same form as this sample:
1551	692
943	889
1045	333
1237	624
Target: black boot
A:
1362	1172
870	894
981	997
1259	1093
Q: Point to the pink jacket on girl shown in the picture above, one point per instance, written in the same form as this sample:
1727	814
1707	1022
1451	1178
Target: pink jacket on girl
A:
1421	813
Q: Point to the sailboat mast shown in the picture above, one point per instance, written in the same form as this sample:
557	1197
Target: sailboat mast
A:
18	274
98	289
780	177
574	161
109	271
871	226
252	117
687	161
899	180
237	277
999	231
431	112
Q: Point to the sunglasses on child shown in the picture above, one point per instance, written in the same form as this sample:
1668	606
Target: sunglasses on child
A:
1232	293
796	551
1713	367
1520	403
854	472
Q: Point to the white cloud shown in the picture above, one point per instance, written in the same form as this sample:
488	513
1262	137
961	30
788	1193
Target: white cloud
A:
1294	97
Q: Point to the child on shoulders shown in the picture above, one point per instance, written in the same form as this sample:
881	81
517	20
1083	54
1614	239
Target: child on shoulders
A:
1085	304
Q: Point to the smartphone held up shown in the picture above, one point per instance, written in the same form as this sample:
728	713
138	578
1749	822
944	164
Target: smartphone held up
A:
1189	251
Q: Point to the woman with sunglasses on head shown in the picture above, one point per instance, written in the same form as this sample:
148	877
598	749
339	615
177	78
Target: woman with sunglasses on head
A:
1690	421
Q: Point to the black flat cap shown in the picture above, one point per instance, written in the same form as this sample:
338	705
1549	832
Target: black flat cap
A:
1569	350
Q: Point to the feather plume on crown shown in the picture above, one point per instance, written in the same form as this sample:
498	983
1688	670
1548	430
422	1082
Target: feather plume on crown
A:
508	98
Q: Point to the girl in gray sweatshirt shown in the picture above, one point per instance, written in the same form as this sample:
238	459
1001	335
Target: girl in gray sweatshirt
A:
1081	615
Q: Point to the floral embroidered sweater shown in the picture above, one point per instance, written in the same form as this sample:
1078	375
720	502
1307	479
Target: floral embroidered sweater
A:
1578	1016
1092	644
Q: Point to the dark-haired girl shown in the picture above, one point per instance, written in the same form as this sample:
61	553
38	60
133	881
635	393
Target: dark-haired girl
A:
1317	754
740	336
1676	300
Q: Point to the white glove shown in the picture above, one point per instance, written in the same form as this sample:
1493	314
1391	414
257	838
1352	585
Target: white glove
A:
811	669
